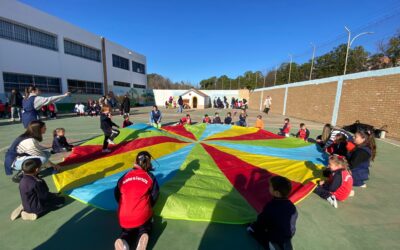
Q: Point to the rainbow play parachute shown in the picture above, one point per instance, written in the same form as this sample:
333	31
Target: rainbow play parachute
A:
206	172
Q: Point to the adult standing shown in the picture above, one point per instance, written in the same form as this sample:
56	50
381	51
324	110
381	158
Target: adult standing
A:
155	117
126	105
267	104
27	146
180	103
16	104
33	102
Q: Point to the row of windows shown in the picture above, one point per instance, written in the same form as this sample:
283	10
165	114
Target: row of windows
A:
76	49
123	63
122	84
128	85
21	81
85	87
27	35
138	67
120	62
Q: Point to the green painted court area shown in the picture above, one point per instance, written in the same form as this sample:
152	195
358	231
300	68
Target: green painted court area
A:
369	220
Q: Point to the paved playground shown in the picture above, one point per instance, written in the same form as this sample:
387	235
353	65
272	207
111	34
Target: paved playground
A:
370	220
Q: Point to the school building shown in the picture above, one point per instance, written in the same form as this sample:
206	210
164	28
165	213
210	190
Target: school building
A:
43	50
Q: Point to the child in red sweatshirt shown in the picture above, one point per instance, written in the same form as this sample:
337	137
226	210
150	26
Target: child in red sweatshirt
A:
136	194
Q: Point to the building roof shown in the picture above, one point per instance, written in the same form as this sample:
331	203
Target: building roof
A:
195	91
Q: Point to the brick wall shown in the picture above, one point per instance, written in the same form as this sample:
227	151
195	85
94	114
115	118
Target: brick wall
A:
314	101
371	97
277	95
372	100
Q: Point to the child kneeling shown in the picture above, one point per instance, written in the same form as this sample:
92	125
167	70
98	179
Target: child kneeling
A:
35	195
136	194
339	184
276	224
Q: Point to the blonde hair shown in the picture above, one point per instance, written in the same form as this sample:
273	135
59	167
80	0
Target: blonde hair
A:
339	160
105	108
326	132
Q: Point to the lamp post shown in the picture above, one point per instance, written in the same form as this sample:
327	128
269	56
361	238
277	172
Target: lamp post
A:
312	60
349	42
290	66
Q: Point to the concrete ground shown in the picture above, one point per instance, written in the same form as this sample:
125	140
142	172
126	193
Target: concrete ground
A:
370	220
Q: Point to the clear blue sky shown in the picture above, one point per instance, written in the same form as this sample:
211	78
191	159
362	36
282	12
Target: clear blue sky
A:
191	40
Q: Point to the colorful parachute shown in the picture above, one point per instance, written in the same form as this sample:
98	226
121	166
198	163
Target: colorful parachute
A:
206	172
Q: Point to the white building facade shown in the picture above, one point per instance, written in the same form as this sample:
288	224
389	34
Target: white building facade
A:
42	50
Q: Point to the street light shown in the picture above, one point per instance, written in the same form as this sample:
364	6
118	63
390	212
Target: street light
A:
312	60
290	66
349	44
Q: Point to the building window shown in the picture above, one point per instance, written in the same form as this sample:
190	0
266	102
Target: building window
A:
122	84
28	35
138	67
120	62
21	81
76	49
138	86
85	87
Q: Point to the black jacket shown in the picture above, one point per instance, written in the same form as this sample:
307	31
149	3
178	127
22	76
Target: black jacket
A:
16	100
278	219
34	194
106	123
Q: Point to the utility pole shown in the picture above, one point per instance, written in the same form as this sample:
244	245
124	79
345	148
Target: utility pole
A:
312	60
290	67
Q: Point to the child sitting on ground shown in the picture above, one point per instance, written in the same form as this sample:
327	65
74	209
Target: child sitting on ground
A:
126	122
217	119
339	147
276	224
339	184
228	119
60	143
285	131
206	119
136	194
185	120
303	132
107	126
35	195
242	119
259	122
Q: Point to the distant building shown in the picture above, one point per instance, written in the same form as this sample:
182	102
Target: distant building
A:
40	49
196	99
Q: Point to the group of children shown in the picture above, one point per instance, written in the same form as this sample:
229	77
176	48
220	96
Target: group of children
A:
137	191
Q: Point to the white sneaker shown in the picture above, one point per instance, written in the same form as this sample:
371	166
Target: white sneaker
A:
351	193
363	186
142	244
28	216
16	212
121	244
106	150
332	200
110	142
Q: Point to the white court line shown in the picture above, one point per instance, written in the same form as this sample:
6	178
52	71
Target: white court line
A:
397	145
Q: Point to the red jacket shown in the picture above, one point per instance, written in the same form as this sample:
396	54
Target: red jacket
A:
286	128
134	196
343	192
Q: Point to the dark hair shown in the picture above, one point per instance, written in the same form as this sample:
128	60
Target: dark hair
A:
29	90
229	113
282	185
30	165
301	125
369	141
259	116
339	137
216	113
155	106
187	115
287	119
126	116
143	159
34	130
205	115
